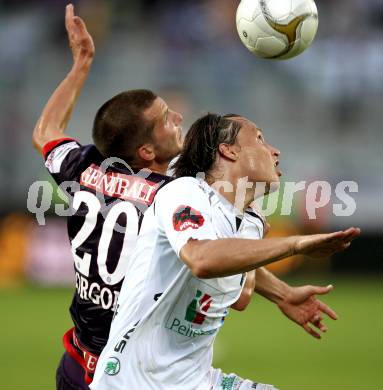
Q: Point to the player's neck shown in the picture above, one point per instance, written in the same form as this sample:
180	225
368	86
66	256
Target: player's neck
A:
160	168
236	190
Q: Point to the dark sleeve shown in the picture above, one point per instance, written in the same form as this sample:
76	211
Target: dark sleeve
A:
65	159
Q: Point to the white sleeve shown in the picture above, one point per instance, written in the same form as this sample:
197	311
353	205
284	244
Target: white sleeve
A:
183	212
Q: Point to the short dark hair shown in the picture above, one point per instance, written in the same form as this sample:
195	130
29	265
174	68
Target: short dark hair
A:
120	127
202	141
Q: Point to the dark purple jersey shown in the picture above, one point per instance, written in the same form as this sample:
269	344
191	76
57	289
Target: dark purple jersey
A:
107	202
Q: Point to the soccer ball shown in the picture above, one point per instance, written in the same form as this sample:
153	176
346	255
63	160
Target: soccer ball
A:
277	29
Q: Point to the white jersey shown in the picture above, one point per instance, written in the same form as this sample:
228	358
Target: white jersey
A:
162	335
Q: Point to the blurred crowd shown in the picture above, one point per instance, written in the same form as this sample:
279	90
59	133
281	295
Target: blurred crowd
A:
329	98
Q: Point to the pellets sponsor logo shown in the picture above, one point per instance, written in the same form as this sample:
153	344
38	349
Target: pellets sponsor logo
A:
195	314
112	366
187	330
186	217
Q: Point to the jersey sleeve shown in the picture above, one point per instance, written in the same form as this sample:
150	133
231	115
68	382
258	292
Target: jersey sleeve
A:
63	159
183	212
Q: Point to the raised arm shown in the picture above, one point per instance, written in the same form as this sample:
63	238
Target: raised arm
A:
230	256
57	112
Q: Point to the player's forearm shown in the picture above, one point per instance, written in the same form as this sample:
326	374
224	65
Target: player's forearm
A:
270	287
230	256
58	110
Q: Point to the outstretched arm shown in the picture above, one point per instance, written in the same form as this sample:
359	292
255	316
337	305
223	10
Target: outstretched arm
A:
297	303
230	256
57	112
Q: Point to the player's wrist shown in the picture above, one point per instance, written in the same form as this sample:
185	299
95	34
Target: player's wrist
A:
82	65
283	295
79	71
299	245
287	296
272	288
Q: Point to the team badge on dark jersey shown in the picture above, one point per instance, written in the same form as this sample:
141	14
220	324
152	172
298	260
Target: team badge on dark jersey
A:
186	217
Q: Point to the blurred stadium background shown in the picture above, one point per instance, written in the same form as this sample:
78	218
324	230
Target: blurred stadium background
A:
322	109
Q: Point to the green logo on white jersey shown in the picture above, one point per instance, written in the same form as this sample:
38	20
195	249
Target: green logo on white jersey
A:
112	366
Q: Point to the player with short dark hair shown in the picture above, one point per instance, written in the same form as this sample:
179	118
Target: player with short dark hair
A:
120	126
121	116
190	263
138	130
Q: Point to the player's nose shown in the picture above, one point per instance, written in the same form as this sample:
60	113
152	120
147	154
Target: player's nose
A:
274	151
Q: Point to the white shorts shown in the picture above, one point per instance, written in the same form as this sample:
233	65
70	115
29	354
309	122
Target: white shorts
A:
221	381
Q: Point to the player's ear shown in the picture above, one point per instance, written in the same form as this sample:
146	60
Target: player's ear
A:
146	152
228	151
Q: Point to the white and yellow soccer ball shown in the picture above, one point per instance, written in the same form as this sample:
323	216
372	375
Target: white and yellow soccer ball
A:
277	29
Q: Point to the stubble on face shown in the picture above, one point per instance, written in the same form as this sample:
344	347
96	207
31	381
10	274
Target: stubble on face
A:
167	137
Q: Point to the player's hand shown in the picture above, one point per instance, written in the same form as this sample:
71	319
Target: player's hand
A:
80	41
321	245
302	307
